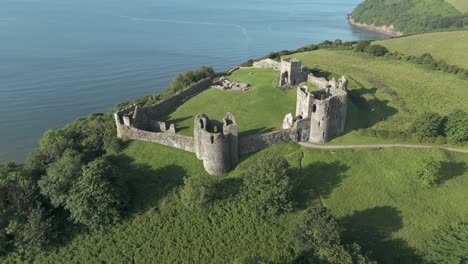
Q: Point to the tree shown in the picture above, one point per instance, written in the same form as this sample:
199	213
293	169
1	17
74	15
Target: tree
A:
267	186
428	173
34	235
60	178
428	126
448	245
198	190
317	229
376	50
362	45
318	240
456	127
96	198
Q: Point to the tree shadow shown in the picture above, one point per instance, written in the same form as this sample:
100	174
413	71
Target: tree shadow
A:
450	170
364	113
373	228
317	180
255	131
147	186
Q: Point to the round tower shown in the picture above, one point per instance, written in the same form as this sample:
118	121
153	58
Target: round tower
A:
216	143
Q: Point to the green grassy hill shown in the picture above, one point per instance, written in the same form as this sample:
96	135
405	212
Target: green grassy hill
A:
461	5
409	16
449	46
371	191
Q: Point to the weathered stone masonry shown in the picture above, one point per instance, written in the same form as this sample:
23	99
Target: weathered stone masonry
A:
320	116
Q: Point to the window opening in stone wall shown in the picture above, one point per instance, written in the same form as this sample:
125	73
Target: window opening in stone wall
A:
212	139
201	124
314	108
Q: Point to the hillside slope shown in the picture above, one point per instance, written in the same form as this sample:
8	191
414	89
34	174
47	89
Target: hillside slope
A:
461	5
448	46
409	16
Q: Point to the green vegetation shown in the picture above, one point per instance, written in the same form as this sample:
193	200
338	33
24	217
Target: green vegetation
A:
447	46
359	186
261	109
429	172
449	245
268	188
385	95
461	5
409	16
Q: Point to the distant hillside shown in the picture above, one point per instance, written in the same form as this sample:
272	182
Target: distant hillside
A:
446	46
461	5
409	16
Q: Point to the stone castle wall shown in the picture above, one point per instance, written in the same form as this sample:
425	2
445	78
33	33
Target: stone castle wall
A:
254	143
167	104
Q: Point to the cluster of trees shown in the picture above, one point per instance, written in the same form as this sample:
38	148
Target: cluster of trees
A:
374	50
429	62
267	190
69	179
409	16
434	128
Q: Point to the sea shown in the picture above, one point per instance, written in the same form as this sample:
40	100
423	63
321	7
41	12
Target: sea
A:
64	59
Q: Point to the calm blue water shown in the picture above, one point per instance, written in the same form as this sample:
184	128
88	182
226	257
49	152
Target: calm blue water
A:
64	59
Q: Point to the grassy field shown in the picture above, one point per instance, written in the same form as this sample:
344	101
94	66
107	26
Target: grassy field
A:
448	46
372	192
261	109
461	5
386	94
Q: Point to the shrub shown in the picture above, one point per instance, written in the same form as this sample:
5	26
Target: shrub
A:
96	198
428	173
362	45
267	187
198	190
456	127
428	126
376	50
448	245
60	178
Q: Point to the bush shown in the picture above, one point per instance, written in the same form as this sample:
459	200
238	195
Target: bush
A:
448	245
60	178
267	187
456	127
97	198
376	50
362	45
428	126
429	172
198	190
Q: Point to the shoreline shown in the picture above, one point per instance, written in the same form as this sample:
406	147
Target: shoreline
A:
386	30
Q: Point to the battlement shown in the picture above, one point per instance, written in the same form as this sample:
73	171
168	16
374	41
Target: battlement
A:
216	143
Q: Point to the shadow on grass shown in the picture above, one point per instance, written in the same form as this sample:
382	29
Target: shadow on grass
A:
365	113
373	228
317	180
147	186
450	170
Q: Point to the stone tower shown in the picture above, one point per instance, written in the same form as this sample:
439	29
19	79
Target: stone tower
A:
216	143
291	73
325	110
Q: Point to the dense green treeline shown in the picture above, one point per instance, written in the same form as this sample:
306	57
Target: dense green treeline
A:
409	16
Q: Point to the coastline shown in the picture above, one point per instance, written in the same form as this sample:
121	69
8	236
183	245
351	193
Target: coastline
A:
387	30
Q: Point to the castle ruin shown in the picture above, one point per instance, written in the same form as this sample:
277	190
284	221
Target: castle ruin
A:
320	116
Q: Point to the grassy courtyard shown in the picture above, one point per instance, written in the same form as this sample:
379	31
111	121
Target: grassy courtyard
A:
261	109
